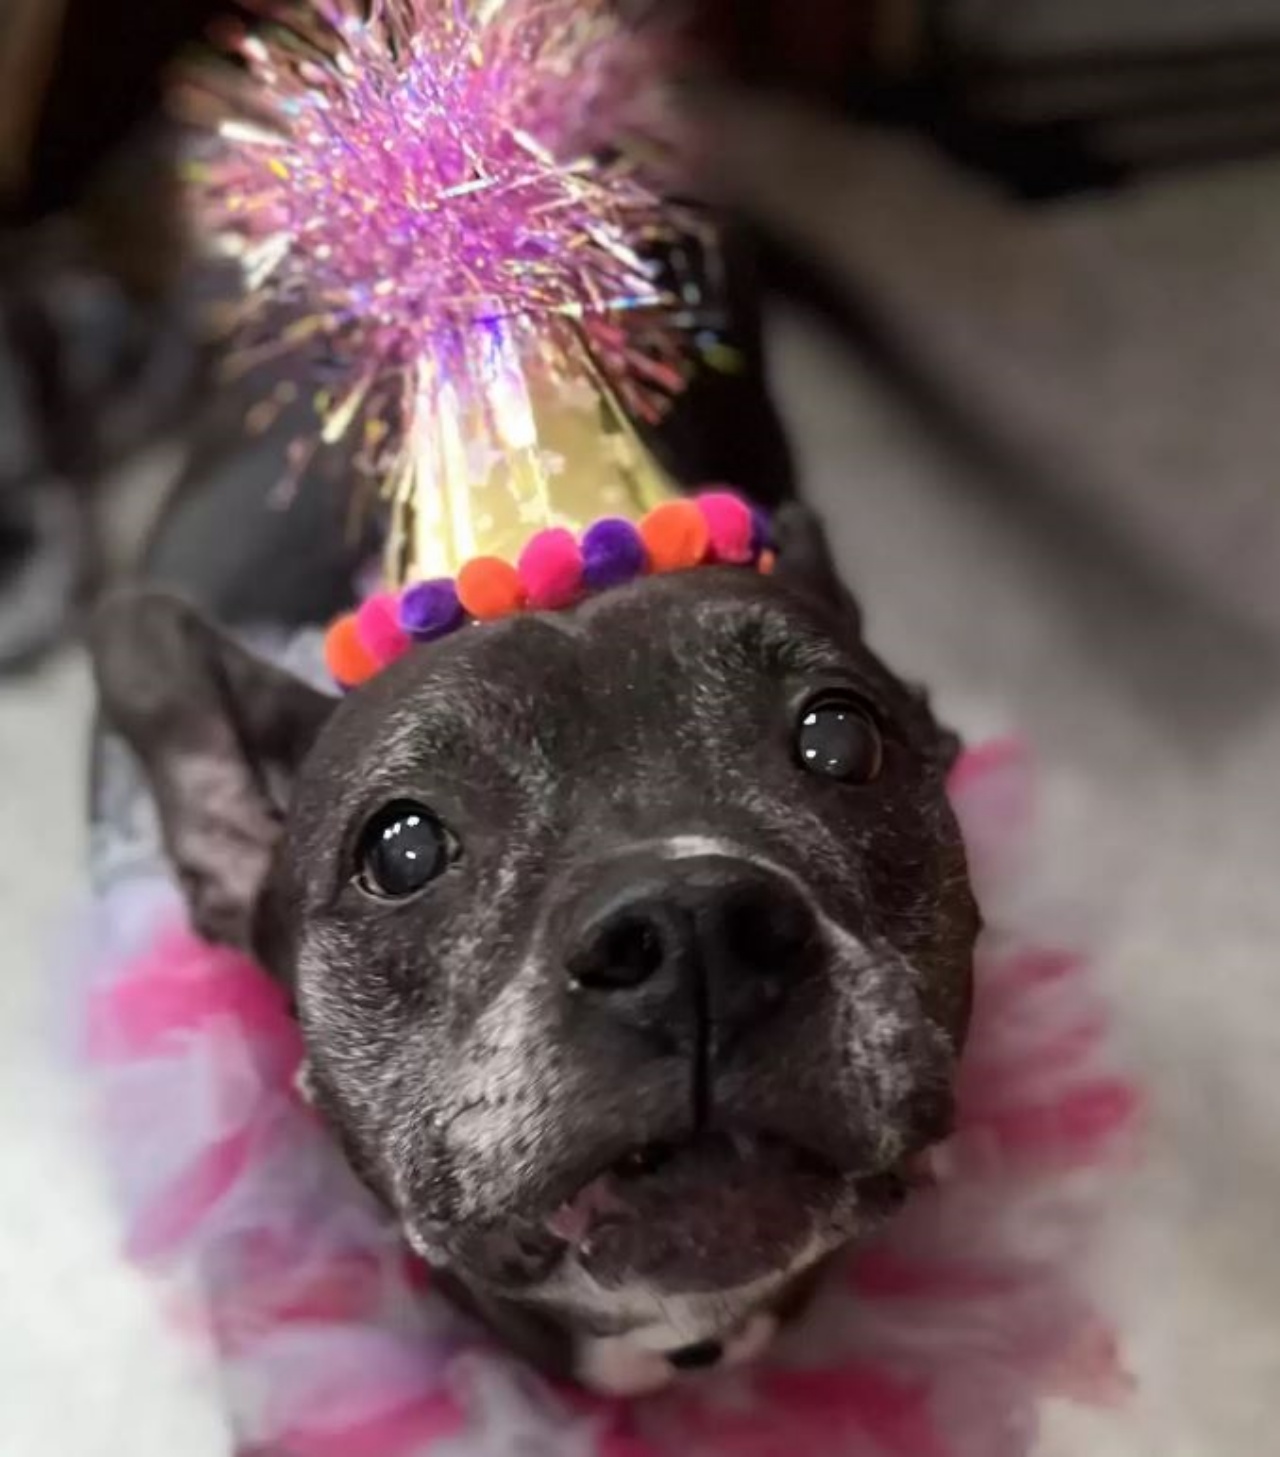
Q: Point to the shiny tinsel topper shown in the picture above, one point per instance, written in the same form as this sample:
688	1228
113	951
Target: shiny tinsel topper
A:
435	204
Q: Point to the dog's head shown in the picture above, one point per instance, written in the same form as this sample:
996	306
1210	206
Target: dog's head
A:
631	944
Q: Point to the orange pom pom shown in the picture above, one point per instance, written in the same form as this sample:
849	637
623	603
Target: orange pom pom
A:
346	657
767	563
675	535
489	588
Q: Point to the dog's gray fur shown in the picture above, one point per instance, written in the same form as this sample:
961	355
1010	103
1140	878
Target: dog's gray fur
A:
475	1087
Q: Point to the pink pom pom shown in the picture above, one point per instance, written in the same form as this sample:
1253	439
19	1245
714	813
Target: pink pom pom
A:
551	570
378	628
729	524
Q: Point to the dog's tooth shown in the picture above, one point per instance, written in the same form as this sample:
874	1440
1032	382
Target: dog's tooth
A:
569	1222
573	1219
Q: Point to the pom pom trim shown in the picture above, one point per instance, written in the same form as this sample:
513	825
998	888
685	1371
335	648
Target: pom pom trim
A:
557	570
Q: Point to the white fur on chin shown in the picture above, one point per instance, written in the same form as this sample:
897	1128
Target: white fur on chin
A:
622	1366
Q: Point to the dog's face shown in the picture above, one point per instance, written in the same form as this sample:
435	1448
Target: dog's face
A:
631	945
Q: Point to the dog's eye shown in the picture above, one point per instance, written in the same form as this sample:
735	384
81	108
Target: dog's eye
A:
403	847
837	738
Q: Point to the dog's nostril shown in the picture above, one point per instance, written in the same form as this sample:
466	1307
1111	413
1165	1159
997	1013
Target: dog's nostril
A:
764	934
623	954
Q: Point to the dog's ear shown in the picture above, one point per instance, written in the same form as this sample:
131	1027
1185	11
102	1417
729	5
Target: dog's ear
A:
806	564
219	734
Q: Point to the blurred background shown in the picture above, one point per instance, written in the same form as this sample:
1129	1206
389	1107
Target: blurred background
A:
1020	266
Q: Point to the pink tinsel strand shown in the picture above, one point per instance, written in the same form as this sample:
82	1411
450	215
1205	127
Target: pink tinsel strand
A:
392	182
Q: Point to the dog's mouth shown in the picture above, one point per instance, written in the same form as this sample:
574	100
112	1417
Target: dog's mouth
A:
712	1211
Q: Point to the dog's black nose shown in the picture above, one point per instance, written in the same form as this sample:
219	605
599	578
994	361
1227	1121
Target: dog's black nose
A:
721	936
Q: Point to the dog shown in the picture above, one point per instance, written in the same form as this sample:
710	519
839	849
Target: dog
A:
631	944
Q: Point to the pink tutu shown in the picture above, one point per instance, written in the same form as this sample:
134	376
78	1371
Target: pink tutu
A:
939	1340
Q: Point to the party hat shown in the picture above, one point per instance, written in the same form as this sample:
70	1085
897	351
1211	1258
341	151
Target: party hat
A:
519	450
456	205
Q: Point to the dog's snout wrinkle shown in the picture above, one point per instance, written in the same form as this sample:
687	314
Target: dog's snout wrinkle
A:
698	847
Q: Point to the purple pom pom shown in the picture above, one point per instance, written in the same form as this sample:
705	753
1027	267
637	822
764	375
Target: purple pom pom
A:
612	553
761	532
430	610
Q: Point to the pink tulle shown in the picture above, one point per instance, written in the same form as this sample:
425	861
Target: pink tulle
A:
939	1340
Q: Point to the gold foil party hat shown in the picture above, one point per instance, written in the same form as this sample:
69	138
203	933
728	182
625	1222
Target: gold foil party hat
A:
519	447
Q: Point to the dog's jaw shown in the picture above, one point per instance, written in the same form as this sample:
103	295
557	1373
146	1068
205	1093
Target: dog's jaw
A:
740	1324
